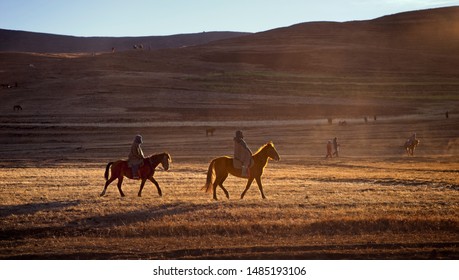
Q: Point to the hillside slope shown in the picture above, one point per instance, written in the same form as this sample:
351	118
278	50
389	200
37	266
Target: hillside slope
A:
420	42
22	41
389	65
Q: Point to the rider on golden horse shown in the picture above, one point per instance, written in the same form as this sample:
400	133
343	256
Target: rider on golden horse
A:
242	154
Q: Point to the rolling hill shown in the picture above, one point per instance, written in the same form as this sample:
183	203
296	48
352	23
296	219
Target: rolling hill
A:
419	42
308	70
22	41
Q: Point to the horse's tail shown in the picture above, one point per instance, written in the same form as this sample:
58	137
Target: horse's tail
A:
107	170
210	172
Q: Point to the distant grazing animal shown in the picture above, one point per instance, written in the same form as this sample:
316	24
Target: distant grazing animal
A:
17	108
210	131
410	145
120	169
223	166
342	123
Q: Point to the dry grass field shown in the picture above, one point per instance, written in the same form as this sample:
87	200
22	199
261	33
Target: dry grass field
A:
81	111
380	205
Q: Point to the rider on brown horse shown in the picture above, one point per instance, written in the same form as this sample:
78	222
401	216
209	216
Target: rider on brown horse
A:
136	157
412	138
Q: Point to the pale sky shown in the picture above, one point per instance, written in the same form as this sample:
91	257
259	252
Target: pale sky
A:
154	17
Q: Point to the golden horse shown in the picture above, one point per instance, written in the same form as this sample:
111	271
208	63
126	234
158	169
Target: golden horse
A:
222	166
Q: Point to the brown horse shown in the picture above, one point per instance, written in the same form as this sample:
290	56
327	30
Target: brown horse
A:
120	169
210	131
223	166
410	146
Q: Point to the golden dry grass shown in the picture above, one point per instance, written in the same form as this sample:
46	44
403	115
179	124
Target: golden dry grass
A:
339	209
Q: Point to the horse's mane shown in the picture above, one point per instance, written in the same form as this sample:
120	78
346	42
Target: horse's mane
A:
162	154
270	143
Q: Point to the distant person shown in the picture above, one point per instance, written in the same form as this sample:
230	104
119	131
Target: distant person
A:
242	154
136	157
447	114
336	147
329	149
412	138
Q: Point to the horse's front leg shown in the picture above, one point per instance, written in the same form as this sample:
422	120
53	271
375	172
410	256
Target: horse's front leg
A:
160	193
247	187
260	186
120	182
141	187
109	181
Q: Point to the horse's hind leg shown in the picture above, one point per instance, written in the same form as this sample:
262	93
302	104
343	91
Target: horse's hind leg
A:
120	181
247	187
219	182
223	188
109	181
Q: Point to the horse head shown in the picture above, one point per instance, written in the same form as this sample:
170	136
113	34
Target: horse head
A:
272	152
165	162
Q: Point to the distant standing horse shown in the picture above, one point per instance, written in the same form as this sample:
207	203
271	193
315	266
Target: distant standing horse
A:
223	166
120	169
410	145
210	131
17	108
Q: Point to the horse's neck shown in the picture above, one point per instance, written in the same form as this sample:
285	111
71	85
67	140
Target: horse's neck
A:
155	160
261	157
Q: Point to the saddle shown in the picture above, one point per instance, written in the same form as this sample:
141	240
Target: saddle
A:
138	163
237	164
